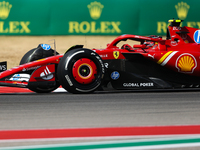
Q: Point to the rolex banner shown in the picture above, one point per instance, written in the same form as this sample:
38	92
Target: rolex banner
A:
90	17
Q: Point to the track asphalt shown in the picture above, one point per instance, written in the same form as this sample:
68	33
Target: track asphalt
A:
15	90
164	137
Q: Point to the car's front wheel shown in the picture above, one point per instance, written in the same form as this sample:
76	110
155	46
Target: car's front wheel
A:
80	71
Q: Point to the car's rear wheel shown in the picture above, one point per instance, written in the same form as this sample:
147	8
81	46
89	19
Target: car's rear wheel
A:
80	71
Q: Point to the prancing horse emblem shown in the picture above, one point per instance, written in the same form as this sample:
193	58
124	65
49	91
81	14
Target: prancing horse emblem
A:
116	54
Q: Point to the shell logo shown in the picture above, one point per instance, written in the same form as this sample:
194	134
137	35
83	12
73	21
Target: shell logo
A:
186	63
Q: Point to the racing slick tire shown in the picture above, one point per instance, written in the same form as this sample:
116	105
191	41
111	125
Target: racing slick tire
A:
35	54
44	88
25	58
80	71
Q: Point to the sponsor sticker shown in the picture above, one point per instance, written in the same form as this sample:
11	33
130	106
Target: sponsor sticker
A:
174	43
3	66
197	36
186	63
32	68
104	56
138	84
20	77
45	46
46	74
115	75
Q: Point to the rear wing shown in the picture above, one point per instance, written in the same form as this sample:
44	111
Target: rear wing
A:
3	66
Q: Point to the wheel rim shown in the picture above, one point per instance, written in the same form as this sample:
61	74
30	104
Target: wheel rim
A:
84	71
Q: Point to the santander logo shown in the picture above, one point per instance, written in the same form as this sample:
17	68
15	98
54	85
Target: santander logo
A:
46	75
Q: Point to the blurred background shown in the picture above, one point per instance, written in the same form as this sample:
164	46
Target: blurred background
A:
90	17
24	24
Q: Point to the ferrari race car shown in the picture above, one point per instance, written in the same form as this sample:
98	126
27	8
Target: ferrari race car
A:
151	63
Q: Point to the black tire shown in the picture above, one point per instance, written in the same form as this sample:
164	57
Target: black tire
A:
43	88
80	71
35	54
26	57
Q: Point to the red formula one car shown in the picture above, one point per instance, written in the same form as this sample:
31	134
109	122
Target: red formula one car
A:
152	63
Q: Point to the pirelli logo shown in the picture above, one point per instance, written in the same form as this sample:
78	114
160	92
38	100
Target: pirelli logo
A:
166	57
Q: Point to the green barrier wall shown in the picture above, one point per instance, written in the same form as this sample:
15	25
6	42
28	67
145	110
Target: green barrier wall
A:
90	17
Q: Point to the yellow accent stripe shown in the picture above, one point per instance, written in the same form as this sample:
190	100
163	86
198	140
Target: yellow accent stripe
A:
164	56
